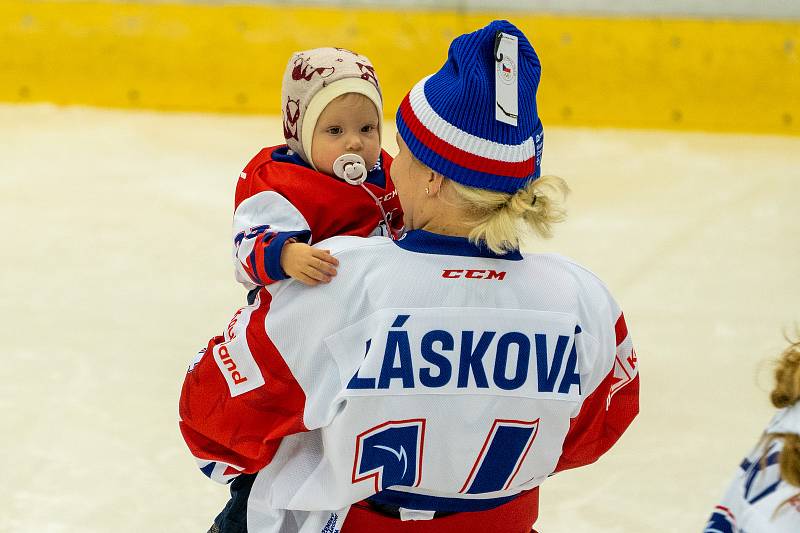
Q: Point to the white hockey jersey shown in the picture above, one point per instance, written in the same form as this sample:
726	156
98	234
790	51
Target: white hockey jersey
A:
431	374
758	500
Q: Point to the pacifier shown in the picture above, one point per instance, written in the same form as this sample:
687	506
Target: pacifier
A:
351	168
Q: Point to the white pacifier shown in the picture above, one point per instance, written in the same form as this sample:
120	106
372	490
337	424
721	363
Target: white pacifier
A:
351	168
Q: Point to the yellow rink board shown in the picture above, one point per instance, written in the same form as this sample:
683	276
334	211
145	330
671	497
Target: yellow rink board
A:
718	75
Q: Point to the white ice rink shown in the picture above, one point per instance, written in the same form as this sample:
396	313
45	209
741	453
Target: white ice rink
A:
115	271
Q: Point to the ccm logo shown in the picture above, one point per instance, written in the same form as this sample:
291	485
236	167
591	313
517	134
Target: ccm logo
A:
230	366
474	274
388	196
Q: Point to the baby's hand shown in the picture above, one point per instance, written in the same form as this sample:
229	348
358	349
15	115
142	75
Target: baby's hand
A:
306	264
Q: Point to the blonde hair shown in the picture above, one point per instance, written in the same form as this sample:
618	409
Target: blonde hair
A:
785	394
496	218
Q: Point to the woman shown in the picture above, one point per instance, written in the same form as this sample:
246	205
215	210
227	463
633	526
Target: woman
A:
440	378
764	496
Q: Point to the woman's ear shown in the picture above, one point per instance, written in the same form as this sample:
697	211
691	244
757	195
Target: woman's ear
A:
435	182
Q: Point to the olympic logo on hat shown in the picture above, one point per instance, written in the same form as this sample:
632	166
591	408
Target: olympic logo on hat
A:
507	70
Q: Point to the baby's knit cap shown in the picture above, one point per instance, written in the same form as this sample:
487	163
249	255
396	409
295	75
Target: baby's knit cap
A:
313	78
450	121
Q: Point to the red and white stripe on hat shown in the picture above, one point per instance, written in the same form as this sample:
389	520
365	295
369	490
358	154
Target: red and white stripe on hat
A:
473	154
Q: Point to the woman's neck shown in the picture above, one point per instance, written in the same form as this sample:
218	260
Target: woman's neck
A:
445	230
440	214
445	223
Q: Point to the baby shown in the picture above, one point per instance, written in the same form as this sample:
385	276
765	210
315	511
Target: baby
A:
330	178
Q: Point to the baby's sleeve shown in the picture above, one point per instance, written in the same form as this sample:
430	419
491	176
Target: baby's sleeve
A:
262	224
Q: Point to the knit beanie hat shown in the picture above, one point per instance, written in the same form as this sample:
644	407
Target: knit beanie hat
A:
460	121
313	78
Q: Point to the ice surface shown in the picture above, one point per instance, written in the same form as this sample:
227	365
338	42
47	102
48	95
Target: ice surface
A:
115	271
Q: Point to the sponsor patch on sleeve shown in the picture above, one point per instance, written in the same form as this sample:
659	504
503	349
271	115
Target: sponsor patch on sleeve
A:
238	367
234	358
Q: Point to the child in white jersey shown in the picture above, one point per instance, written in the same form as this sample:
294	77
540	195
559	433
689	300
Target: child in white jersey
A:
764	496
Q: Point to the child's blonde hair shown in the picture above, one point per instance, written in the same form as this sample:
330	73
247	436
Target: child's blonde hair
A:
496	217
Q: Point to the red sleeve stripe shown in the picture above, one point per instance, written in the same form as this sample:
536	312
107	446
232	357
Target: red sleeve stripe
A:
262	244
255	265
231	471
621	329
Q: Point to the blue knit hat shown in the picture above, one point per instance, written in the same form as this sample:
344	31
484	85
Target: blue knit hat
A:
449	122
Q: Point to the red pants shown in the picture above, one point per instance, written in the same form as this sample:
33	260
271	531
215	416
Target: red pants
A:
516	516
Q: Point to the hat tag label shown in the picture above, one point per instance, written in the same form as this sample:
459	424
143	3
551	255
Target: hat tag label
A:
506	78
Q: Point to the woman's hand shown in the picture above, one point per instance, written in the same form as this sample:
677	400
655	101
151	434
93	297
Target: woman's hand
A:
307	264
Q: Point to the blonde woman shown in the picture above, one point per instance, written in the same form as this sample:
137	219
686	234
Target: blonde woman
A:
439	379
765	493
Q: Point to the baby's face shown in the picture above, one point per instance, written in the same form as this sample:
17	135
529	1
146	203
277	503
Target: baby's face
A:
348	125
